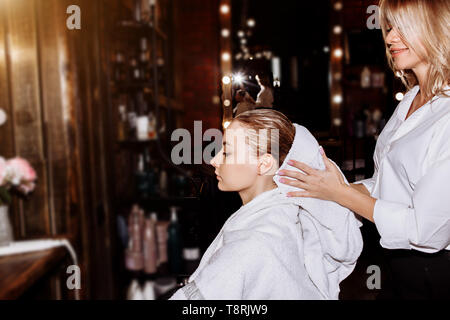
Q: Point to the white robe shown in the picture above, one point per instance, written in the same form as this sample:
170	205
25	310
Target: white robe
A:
274	249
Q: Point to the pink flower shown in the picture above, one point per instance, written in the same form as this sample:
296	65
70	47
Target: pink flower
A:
22	168
28	187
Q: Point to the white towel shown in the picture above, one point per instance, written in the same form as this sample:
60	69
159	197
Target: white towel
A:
276	247
258	255
332	239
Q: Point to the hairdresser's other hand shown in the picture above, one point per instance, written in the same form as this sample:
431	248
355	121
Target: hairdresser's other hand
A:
321	184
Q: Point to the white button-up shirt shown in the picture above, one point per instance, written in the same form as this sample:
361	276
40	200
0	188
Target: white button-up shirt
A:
411	181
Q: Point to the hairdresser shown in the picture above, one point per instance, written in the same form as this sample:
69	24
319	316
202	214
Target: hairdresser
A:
407	198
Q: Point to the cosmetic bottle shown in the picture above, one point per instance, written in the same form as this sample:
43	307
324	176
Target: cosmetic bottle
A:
142	182
174	243
161	234
134	258
163	183
150	253
149	290
365	77
134	291
191	250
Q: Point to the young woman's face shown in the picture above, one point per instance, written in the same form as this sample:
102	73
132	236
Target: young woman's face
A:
404	57
236	166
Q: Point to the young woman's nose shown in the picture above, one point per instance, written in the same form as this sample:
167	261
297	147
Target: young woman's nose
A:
213	161
392	37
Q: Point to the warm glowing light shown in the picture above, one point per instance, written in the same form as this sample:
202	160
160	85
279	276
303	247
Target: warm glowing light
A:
241	34
226	56
337	99
225	33
243	41
224	8
338	53
337	29
226	124
238	56
226	80
227	103
399	96
258	55
326	49
337	122
238	78
251	23
338	6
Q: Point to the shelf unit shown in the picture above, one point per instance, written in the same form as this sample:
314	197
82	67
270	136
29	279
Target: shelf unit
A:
142	76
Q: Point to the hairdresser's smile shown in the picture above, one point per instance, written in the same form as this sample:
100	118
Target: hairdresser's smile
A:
398	51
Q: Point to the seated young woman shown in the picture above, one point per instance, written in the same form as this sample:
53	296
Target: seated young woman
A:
274	246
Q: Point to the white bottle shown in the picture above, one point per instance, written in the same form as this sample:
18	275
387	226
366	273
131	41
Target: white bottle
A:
135	291
149	291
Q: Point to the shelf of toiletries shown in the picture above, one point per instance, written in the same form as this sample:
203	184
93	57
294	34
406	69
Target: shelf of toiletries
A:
159	254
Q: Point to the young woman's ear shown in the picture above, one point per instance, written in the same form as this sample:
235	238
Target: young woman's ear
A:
267	165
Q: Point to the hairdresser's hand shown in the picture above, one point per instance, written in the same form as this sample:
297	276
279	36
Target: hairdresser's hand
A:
321	184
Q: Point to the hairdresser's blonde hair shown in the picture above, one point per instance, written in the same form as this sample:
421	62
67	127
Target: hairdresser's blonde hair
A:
280	135
427	21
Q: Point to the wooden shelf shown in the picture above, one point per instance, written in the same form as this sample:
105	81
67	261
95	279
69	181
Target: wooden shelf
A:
20	271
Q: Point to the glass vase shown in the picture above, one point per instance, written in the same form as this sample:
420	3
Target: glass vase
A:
6	233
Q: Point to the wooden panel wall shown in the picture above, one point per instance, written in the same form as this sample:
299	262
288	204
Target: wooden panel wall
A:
52	86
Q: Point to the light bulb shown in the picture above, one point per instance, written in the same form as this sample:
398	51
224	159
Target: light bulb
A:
224	8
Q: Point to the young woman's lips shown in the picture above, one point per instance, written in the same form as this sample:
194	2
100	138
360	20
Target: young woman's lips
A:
396	52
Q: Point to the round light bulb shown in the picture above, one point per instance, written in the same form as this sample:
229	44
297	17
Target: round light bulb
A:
251	23
337	29
226	56
227	103
226	80
224	8
338	6
225	33
399	96
337	99
338	53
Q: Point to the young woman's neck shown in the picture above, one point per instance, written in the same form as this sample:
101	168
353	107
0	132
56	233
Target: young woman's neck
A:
421	72
264	184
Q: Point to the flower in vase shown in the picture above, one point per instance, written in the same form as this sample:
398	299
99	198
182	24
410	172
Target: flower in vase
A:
18	174
21	171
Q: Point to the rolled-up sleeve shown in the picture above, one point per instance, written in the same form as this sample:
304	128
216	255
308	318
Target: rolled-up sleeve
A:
368	183
426	225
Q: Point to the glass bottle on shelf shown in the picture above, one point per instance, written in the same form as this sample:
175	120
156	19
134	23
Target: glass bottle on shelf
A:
135	72
191	250
132	116
119	68
174	243
137	12
142	182
122	125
